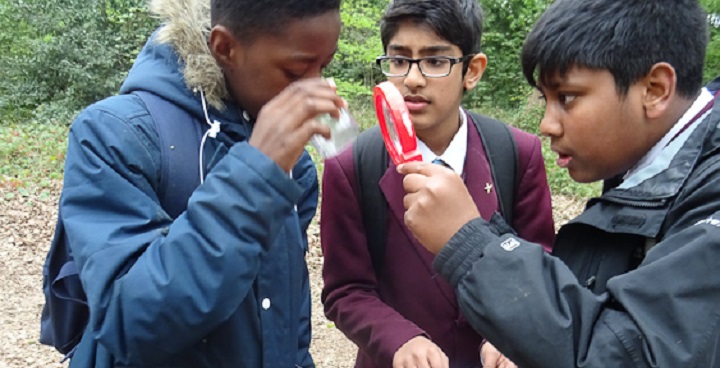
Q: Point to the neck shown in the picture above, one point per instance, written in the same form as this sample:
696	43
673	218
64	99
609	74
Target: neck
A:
438	138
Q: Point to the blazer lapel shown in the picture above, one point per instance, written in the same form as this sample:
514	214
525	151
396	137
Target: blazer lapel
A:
478	178
392	188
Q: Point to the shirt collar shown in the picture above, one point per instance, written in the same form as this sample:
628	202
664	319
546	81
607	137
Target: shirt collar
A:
455	152
700	102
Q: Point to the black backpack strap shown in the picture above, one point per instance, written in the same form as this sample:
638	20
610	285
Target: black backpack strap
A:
370	159
180	137
502	155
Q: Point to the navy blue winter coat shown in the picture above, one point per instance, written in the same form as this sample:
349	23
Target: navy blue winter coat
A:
223	285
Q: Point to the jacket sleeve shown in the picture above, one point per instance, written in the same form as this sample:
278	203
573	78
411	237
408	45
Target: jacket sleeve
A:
350	296
533	217
155	286
530	305
306	175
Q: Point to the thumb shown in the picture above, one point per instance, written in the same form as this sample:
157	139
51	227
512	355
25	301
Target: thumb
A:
415	167
490	359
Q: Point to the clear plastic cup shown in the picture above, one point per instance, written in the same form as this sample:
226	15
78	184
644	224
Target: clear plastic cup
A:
343	132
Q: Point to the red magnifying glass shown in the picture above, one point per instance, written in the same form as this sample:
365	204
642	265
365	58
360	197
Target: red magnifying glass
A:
395	124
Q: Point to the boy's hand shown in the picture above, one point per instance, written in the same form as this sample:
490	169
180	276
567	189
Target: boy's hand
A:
437	203
492	358
419	352
286	123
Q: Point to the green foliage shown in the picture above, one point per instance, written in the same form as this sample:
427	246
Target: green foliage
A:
506	24
712	59
31	154
359	45
67	53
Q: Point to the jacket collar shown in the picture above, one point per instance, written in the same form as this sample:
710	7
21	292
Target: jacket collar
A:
666	176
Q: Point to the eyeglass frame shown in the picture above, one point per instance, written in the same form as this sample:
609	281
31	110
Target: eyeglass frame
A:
412	61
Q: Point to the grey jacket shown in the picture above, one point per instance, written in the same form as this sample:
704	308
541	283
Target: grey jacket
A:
632	281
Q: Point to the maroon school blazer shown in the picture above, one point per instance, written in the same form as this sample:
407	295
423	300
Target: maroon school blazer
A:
380	315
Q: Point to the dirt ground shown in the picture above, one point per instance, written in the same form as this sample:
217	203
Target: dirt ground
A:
26	227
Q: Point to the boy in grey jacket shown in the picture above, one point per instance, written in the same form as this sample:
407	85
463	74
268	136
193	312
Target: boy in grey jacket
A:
632	281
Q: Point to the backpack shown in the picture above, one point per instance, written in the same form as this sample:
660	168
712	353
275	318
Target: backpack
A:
65	314
370	159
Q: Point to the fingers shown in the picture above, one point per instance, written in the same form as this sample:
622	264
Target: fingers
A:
287	122
437	359
307	99
491	361
313	127
492	358
418	174
414	182
419	352
423	168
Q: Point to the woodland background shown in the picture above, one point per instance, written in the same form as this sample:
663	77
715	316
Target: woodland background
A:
58	56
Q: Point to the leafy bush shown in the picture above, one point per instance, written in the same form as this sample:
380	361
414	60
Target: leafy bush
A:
506	24
67	54
354	64
712	59
31	154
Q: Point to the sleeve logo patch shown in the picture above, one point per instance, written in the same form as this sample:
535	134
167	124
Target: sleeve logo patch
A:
510	244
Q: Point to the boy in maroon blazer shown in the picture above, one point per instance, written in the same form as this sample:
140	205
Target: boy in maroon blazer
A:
403	315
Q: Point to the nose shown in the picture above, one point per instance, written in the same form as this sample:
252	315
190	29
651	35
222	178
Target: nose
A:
414	78
550	125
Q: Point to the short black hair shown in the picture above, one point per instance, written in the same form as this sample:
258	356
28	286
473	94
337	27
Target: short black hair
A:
247	19
460	22
625	37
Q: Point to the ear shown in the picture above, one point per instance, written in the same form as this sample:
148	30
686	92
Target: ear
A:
475	70
224	47
659	93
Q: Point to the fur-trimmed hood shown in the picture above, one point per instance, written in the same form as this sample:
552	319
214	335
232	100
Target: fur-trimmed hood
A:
176	62
186	27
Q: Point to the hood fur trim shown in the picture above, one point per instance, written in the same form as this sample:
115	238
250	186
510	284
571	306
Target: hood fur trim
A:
186	27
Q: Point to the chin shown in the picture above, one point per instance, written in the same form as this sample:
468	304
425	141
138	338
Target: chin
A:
584	178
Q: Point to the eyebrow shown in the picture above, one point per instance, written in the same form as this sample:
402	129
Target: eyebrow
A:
424	51
307	58
551	82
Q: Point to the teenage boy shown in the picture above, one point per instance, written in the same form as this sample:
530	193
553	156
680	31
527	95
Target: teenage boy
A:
401	314
224	284
639	285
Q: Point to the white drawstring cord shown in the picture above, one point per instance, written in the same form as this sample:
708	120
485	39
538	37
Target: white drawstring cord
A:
212	132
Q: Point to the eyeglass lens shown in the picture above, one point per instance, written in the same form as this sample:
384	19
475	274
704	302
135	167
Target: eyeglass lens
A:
428	66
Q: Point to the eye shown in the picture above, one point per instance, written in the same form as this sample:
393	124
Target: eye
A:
294	74
398	62
436	62
566	99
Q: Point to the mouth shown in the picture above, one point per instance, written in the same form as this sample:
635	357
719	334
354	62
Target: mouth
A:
416	103
564	159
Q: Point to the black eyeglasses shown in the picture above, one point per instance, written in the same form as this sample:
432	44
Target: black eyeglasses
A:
431	66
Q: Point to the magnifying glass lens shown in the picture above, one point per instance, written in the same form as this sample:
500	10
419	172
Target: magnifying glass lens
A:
395	125
391	127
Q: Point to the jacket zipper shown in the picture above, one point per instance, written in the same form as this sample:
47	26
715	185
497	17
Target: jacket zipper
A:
635	203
